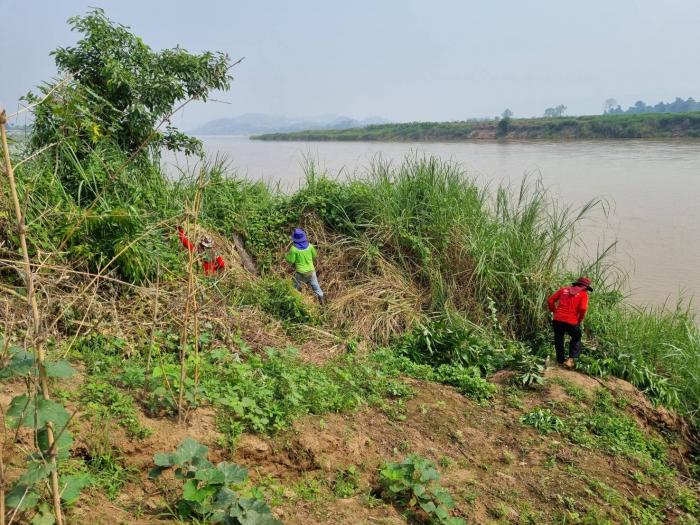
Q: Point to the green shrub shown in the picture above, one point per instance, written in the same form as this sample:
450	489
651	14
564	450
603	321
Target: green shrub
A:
212	493
543	420
467	381
414	484
104	401
264	394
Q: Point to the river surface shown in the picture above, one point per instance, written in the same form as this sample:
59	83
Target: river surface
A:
652	187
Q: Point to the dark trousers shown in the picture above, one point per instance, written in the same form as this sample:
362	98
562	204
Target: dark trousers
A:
574	331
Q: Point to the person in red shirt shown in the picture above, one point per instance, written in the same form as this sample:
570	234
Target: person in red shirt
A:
211	263
569	306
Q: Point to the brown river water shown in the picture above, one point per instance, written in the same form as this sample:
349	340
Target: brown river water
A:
652	187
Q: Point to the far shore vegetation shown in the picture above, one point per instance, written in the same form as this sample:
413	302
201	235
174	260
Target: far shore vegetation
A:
608	126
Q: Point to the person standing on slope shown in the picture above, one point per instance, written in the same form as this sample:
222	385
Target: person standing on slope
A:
301	255
569	305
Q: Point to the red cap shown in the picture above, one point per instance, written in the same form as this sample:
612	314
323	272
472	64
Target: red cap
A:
584	281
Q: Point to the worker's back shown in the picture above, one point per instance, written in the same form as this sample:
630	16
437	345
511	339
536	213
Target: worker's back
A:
571	303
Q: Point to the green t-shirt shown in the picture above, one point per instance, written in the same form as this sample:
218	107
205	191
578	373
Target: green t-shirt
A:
303	260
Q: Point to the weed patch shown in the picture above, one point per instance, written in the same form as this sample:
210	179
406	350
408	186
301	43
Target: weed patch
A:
414	484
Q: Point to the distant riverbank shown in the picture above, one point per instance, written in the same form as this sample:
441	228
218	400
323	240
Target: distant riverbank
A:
640	126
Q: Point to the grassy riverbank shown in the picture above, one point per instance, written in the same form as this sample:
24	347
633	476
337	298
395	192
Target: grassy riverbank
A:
137	390
651	125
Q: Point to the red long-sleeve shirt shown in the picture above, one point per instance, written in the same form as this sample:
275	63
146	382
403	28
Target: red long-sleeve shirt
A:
210	267
569	304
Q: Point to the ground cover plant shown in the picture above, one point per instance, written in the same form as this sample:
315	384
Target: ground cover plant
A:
415	484
208	492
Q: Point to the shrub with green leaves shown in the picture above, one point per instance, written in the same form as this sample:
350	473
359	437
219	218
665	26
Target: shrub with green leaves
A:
543	420
467	379
212	493
264	394
414	484
28	494
277	297
530	369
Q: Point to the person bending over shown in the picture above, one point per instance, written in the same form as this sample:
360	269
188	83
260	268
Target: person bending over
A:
211	262
569	305
301	255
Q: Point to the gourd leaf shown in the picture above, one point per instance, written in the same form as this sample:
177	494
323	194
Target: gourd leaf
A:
61	369
428	506
232	473
188	450
65	440
36	471
33	413
21	363
21	498
44	515
71	487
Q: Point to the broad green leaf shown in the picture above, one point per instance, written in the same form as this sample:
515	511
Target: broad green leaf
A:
428	507
60	369
210	476
441	512
36	471
65	441
20	364
71	487
44	515
429	474
163	459
190	449
190	491
225	498
28	412
232	473
21	497
396	488
418	489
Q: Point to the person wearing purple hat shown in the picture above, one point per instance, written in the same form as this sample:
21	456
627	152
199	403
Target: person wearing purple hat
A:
301	255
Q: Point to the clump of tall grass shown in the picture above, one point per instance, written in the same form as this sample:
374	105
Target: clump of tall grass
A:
488	254
655	348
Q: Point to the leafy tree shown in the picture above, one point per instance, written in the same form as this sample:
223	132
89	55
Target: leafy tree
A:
507	113
557	111
121	91
677	106
503	126
609	105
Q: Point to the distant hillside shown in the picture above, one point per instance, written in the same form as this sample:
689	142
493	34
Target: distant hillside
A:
251	123
649	125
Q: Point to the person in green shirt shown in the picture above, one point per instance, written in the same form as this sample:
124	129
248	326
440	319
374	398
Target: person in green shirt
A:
301	255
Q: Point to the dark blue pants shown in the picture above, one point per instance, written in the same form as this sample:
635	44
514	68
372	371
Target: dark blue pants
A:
574	332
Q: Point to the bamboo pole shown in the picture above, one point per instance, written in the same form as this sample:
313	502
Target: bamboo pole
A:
155	319
31	298
3	481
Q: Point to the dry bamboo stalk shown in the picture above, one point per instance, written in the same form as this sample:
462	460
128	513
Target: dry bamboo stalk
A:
3	481
190	304
31	297
155	318
183	335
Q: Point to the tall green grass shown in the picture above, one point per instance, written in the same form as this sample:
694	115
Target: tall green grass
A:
487	255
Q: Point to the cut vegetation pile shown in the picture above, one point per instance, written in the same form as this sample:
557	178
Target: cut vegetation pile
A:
418	395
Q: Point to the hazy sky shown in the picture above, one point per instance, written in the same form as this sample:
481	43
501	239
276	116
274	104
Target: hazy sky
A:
400	59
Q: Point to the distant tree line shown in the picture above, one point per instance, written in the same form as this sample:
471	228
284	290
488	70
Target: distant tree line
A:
679	105
557	111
